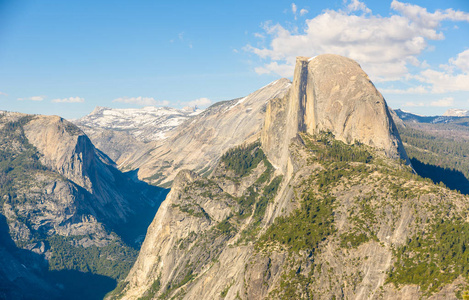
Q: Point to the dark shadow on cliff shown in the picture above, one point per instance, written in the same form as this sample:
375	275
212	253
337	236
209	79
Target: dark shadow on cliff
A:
25	275
75	285
453	179
134	230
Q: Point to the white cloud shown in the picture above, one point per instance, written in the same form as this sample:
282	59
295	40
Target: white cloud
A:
33	98
384	46
142	101
413	104
293	8
462	61
443	82
356	5
451	77
301	12
421	16
69	100
3	94
445	102
284	70
200	102
259	35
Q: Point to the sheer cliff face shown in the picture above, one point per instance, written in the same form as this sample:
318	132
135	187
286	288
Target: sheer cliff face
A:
64	147
68	151
330	93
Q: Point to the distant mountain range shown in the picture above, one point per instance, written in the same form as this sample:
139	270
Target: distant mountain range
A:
457	112
145	124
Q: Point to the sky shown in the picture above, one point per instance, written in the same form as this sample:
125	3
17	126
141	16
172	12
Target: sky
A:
67	57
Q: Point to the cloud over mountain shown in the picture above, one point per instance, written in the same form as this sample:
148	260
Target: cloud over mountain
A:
385	46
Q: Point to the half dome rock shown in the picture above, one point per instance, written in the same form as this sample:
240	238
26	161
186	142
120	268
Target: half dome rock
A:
330	93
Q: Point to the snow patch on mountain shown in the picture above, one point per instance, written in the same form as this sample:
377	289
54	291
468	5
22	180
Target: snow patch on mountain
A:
145	124
456	112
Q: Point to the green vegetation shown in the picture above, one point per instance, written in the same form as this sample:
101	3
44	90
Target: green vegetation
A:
243	159
268	194
306	227
353	239
225	227
71	128
116	293
303	230
151	292
253	203
259	201
435	258
113	260
193	210
155	178
226	290
170	288
313	222
19	166
442	159
18	160
327	148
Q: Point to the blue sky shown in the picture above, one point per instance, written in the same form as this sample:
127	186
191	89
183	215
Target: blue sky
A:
66	57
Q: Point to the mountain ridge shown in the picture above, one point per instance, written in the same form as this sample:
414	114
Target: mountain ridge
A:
339	221
199	142
65	202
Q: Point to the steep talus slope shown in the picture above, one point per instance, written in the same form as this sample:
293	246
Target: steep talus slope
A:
65	200
330	93
338	220
199	142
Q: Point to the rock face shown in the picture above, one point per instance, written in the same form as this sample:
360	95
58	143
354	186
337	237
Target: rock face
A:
316	216
330	93
68	151
198	142
63	198
256	236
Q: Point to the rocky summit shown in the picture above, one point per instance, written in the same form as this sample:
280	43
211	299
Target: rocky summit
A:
323	206
330	93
